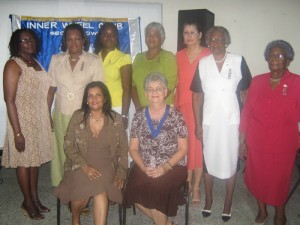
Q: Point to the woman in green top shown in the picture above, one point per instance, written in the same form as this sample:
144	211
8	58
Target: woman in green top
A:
155	59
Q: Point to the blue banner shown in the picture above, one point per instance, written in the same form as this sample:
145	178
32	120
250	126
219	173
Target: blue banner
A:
50	31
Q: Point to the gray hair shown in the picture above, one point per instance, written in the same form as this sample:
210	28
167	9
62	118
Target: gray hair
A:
155	76
223	30
156	26
285	46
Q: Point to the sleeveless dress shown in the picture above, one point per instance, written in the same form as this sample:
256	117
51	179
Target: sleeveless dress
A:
33	113
77	186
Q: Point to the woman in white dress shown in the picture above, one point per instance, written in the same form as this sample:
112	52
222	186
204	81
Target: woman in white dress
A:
219	87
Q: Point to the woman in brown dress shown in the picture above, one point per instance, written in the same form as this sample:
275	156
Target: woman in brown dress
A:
96	151
158	146
28	141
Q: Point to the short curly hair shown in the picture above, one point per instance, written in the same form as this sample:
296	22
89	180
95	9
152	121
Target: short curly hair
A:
75	26
158	27
223	30
285	46
14	43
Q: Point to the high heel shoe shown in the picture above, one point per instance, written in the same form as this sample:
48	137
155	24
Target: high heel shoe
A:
207	212
226	217
40	207
32	213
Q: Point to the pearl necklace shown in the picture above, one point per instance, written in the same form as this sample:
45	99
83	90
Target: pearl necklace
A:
220	61
73	59
274	79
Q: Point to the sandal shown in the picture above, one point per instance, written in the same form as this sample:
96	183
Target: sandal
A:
171	223
34	214
40	207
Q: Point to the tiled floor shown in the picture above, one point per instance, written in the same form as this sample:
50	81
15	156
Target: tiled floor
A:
243	210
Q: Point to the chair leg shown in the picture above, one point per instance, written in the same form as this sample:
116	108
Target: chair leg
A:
124	215
133	209
120	214
58	211
187	203
293	190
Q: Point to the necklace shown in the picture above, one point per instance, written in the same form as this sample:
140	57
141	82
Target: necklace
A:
220	61
96	119
73	59
158	117
31	63
274	79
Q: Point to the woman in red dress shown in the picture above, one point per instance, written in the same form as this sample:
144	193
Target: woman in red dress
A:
269	132
187	60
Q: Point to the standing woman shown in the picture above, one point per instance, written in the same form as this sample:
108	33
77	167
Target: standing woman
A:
269	132
187	60
220	84
117	69
28	140
70	71
155	59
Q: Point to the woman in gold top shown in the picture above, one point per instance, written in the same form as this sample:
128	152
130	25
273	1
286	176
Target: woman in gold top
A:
117	68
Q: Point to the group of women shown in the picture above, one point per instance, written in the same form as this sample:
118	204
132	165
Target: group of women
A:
186	105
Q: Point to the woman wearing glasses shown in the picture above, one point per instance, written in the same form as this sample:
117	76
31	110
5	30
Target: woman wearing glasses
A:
28	141
187	60
219	87
158	146
269	132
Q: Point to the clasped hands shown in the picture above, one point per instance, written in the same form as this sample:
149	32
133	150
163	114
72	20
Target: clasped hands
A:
156	172
93	174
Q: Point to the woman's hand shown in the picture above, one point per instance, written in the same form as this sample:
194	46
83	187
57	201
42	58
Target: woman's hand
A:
157	171
20	142
91	172
119	183
243	151
199	132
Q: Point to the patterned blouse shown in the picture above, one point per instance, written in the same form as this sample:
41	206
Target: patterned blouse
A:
156	151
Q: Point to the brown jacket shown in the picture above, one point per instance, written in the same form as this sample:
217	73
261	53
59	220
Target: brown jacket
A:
76	143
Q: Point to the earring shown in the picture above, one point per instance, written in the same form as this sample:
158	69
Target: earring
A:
208	46
226	46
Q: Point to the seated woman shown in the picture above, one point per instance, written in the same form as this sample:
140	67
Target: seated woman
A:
96	151
158	147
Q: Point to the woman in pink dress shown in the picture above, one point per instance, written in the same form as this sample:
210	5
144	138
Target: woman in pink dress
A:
269	132
187	60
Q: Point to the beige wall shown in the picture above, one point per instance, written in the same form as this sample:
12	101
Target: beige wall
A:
251	23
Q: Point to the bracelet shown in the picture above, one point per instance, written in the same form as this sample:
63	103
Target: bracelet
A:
169	164
124	116
18	134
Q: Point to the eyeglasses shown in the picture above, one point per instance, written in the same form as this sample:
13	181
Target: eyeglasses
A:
276	57
158	90
27	41
216	40
192	34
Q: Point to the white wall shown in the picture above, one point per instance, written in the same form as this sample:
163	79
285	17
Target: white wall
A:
251	23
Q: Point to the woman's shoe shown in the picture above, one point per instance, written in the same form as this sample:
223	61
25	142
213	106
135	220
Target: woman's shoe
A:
40	207
226	217
260	223
206	212
32	213
195	198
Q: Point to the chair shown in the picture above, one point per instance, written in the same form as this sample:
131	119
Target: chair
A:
297	163
185	190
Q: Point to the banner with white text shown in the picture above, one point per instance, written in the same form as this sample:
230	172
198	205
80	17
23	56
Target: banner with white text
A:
50	30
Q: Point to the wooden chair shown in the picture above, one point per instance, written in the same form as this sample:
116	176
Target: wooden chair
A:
297	163
185	190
